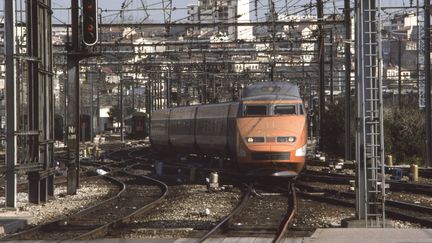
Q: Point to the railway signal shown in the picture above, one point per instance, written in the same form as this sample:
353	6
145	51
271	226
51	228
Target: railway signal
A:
90	23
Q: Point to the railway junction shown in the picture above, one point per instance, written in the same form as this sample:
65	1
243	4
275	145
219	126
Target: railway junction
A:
215	121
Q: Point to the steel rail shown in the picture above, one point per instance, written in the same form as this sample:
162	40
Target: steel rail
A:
423	172
289	217
57	222
395	212
229	217
344	179
104	229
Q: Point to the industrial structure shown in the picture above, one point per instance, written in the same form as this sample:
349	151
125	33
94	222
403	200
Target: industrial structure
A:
106	69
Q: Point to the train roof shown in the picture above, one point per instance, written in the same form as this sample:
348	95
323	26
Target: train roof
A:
136	114
271	91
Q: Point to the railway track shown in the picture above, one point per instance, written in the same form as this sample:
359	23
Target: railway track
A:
238	221
137	195
395	209
423	172
336	178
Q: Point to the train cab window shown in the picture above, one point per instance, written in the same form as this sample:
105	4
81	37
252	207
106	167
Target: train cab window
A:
285	110
255	110
301	110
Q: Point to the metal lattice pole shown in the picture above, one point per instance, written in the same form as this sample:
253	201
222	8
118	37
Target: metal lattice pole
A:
167	11
369	135
420	58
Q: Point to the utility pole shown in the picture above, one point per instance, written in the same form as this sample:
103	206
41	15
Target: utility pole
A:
331	67
91	105
420	54
168	87
427	82
73	130
121	107
11	104
320	9
98	102
347	79
273	55
400	72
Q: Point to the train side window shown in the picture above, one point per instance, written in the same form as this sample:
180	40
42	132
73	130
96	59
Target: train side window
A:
285	110
256	110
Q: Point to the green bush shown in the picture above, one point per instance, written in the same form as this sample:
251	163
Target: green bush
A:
404	131
333	130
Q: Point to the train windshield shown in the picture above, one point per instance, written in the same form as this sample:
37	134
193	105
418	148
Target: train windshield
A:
256	110
285	110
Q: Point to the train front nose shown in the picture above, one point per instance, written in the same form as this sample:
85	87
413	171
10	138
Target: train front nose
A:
271	146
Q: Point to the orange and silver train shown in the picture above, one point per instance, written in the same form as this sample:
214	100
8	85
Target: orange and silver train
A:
263	134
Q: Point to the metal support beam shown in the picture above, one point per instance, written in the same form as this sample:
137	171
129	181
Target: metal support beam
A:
331	67
50	108
347	12
73	99
91	106
321	57
273	34
121	109
370	176
420	58
427	82
399	72
11	106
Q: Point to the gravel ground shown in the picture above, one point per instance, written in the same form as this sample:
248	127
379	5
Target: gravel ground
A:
323	215
187	207
90	193
425	200
189	210
421	180
312	214
411	198
336	217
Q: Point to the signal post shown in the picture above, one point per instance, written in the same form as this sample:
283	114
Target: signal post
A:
75	54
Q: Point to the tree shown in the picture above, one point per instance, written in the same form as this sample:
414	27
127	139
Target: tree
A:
333	130
115	112
405	132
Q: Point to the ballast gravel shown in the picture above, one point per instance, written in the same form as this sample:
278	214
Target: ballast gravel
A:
90	193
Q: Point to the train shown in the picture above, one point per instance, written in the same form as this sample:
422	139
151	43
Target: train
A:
263	134
136	125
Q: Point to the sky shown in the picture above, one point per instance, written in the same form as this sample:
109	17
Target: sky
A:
135	12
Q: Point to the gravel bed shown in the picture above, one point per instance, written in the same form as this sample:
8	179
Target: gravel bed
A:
421	199
323	185
411	198
266	210
187	208
90	193
312	214
336	215
421	180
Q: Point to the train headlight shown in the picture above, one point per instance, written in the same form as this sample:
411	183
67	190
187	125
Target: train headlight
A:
286	139
255	139
301	152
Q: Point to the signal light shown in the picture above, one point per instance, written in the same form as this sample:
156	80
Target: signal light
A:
90	24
